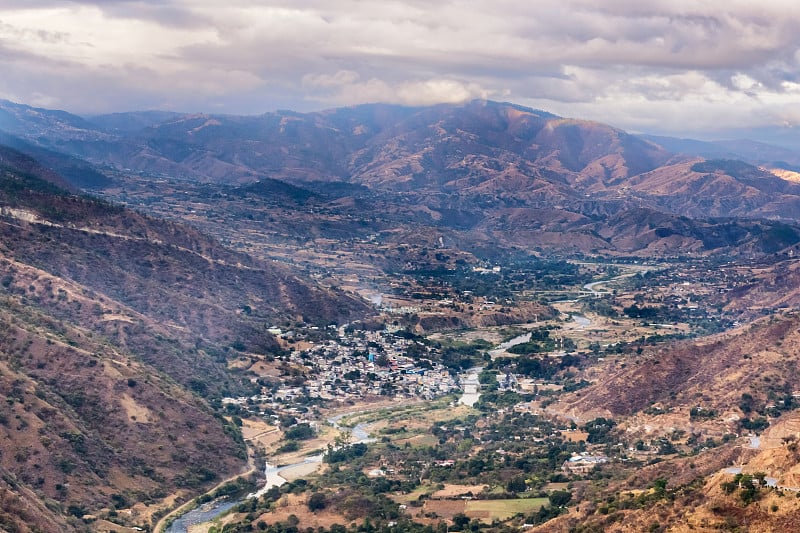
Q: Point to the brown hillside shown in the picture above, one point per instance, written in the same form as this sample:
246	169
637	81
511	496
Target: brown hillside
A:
761	359
113	327
83	422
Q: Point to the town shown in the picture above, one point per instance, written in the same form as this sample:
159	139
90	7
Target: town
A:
348	367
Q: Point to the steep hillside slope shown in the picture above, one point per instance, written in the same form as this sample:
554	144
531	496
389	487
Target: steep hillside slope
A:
761	360
457	148
77	173
776	287
131	257
87	426
718	187
113	328
713	396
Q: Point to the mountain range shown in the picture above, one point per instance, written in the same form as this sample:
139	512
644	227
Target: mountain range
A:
117	325
482	165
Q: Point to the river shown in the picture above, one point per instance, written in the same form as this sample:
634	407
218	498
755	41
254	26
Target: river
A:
358	433
470	381
501	348
204	513
591	287
209	511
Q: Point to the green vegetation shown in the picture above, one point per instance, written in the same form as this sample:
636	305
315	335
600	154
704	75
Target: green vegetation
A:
458	356
302	431
749	486
541	367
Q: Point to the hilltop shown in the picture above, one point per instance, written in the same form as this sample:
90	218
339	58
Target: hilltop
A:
491	152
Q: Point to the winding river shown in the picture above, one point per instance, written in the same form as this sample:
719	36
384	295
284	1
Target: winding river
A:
209	511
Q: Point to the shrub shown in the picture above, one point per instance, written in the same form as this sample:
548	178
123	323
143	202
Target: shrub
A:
317	502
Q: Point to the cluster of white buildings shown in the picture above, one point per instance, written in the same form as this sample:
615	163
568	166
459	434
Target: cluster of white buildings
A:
350	368
583	463
355	367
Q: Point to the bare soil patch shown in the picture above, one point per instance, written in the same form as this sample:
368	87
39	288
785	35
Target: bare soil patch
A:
445	508
298	505
575	436
260	433
453	491
135	410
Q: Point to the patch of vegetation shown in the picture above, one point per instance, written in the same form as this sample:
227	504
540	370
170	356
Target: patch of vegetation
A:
749	486
302	431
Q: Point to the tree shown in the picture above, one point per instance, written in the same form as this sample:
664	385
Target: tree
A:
516	484
460	521
302	431
660	486
568	344
559	498
317	502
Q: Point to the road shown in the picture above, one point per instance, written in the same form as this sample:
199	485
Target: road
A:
754	443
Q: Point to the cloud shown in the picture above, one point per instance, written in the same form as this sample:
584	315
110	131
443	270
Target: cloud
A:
346	87
339	79
656	64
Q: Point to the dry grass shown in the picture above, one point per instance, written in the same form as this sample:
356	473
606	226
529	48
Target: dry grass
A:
297	505
488	510
453	491
418	441
102	526
135	410
260	433
405	499
575	436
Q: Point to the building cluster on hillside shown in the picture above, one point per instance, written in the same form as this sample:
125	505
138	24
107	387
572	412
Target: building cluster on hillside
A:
377	363
583	463
352	367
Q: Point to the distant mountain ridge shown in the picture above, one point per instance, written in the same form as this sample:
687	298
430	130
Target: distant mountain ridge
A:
46	126
753	152
482	149
481	166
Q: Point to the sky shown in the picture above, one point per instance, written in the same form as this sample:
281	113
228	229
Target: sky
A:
659	66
